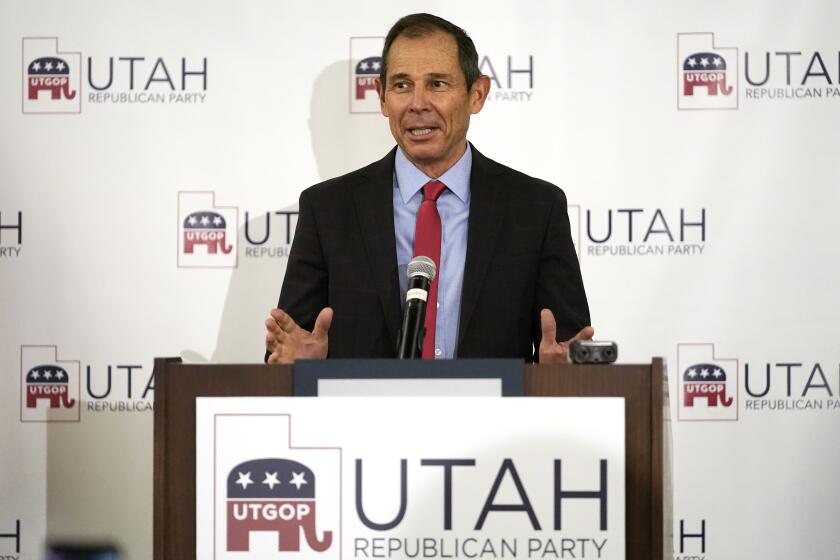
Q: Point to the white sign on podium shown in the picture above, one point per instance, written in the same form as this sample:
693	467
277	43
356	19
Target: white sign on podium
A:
409	477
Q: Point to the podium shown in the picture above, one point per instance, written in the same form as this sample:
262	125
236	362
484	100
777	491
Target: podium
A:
177	385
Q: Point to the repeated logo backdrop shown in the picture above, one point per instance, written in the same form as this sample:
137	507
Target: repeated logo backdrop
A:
149	173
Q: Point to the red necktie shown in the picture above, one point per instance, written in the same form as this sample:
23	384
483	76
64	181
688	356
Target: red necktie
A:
427	239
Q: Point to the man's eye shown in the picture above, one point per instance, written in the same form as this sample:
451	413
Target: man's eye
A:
401	85
437	84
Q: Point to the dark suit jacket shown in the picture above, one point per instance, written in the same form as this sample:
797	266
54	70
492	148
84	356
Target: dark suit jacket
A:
520	259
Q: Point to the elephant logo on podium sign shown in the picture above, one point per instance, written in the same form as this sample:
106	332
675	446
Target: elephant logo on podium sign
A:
367	70
51	74
705	69
705	381
275	495
208	229
48	382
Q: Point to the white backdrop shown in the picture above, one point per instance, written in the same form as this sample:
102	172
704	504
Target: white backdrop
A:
94	192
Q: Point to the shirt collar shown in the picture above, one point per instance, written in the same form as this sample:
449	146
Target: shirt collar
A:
410	179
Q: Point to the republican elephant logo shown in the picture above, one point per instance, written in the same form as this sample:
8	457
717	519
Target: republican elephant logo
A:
208	229
705	69
51	74
705	381
367	70
276	495
48	382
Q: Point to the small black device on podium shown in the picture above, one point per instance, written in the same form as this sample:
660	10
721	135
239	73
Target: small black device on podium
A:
593	351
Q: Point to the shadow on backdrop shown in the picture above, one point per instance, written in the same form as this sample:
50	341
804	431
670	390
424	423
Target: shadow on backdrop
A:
341	142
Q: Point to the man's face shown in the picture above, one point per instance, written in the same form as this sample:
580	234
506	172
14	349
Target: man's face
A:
427	102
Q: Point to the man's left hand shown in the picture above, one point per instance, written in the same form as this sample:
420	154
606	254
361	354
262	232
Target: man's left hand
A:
551	351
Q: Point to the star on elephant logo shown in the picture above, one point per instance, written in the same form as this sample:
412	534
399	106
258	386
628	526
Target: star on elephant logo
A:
49	386
274	495
51	79
208	233
708	385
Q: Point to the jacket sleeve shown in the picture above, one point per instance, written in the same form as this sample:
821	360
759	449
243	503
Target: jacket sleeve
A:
559	282
304	291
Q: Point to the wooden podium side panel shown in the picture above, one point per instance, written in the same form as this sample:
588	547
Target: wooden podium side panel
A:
176	387
643	449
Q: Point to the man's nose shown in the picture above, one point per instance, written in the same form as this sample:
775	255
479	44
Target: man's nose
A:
419	100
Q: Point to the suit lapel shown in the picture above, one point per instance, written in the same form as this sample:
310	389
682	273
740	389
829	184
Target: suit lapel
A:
488	197
374	199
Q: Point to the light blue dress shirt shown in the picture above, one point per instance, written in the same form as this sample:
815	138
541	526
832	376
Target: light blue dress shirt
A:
454	209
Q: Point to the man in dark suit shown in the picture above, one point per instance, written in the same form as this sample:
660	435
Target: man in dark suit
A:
510	283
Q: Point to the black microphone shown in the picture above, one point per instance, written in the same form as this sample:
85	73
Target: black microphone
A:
421	272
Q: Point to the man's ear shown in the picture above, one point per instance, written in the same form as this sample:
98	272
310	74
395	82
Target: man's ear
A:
478	93
380	91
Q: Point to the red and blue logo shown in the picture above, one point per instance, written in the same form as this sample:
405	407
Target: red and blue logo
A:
49	388
50	74
367	71
707	385
365	66
51	383
707	75
706	70
707	382
51	79
274	495
207	233
208	229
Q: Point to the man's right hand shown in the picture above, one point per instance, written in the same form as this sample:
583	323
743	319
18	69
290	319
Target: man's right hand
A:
286	341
